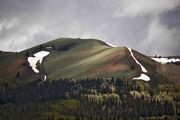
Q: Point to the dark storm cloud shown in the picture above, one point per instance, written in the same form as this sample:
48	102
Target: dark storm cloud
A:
171	18
149	27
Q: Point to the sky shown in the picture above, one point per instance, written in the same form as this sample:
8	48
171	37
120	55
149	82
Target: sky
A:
148	26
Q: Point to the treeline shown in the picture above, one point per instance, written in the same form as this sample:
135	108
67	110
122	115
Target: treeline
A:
111	98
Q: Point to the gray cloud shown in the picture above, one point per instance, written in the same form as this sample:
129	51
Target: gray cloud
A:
132	8
161	39
136	24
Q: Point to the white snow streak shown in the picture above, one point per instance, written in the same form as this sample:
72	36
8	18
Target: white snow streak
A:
45	78
38	57
110	44
142	68
142	77
166	60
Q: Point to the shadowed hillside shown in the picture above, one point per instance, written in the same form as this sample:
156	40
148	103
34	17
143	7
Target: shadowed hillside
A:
81	58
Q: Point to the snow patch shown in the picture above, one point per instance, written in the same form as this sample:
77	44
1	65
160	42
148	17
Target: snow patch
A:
48	47
142	77
45	78
38	57
166	60
142	67
110	44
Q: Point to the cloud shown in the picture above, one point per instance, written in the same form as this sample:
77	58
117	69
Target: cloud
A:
133	8
24	24
21	38
8	24
160	39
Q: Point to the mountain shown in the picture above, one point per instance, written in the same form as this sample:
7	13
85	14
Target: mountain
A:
82	58
87	79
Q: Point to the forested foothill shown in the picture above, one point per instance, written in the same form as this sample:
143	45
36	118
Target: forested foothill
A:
90	99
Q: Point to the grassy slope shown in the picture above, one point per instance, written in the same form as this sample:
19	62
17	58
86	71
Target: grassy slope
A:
74	58
4	55
10	66
89	58
159	73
